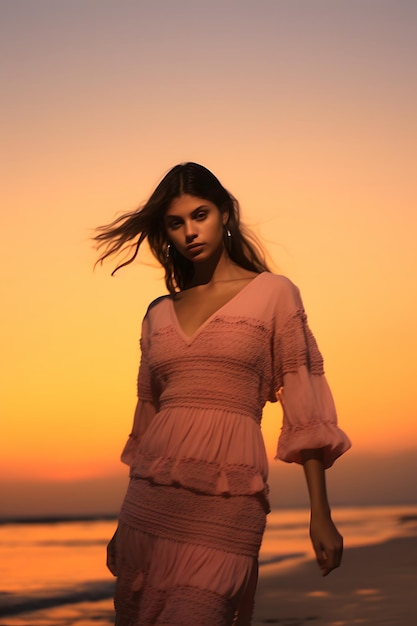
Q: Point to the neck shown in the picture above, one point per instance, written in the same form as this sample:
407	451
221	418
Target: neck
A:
214	270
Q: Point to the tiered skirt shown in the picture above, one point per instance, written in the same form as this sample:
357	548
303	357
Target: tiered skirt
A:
186	558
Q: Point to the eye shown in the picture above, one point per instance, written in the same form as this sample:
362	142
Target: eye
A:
174	224
200	215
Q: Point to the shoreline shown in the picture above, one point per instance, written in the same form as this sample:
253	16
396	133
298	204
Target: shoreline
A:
374	585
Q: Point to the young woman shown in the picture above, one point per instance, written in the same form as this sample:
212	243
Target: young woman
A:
228	337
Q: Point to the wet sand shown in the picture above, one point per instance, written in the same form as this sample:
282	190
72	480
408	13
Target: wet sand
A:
376	585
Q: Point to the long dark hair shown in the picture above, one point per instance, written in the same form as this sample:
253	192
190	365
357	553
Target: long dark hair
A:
130	230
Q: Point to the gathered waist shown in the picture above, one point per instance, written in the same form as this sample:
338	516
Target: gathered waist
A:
202	404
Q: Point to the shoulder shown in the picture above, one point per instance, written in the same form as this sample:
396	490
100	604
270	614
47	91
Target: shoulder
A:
156	313
279	297
156	304
278	285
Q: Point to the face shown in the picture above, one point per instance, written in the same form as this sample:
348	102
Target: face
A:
195	227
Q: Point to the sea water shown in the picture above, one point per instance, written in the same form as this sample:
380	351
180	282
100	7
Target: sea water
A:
53	571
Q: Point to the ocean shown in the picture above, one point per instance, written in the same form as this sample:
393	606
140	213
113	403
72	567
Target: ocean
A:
52	571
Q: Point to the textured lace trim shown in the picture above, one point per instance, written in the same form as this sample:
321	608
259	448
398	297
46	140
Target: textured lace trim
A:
289	429
199	475
324	434
294	347
299	347
232	525
249	323
175	374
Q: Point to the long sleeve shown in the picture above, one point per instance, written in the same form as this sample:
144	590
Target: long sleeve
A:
147	404
309	414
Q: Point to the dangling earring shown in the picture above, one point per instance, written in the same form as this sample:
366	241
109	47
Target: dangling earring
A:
228	238
168	251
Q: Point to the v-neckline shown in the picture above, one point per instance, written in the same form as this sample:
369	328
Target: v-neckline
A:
190	338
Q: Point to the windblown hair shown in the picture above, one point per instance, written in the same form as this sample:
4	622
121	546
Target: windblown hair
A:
130	230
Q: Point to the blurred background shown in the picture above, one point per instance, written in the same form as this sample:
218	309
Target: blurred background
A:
306	111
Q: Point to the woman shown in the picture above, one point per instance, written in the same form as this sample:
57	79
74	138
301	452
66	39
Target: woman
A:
229	336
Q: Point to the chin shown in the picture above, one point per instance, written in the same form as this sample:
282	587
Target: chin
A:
199	255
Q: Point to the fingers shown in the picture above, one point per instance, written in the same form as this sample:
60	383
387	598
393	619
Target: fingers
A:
327	543
328	557
321	559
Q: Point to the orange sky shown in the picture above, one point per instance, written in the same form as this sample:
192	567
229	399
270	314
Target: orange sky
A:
306	112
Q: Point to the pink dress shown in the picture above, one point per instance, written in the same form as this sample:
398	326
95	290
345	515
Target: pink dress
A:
194	514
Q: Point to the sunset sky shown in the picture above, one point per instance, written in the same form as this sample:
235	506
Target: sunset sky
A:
305	110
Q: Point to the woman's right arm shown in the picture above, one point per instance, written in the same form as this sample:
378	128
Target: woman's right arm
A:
144	413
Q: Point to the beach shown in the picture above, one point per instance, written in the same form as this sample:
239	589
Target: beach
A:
376	583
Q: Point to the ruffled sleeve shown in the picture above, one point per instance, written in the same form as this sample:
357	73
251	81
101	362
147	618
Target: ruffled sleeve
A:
309	414
147	405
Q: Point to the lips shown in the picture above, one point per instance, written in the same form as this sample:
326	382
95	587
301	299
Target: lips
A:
194	247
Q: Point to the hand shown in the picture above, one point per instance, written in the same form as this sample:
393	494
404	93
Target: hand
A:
327	543
111	555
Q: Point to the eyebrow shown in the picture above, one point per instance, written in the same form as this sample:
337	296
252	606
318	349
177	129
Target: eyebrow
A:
172	216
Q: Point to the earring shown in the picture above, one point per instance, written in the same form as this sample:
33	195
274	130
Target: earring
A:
168	251
228	241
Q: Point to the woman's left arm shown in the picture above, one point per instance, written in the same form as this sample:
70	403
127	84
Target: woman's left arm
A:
327	541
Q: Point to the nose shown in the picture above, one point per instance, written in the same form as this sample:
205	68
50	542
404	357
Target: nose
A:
190	231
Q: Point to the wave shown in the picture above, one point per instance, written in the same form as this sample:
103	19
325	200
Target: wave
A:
57	519
403	517
15	604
